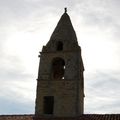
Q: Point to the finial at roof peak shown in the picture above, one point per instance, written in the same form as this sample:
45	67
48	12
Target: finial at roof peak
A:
65	10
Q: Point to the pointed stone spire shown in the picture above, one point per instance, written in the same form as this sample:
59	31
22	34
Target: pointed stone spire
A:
64	32
64	29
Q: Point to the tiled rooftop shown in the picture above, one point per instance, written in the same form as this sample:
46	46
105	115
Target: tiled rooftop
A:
82	117
16	117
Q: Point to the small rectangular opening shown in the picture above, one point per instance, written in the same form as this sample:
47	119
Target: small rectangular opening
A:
48	104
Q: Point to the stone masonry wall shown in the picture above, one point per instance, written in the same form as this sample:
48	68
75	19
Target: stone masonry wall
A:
64	93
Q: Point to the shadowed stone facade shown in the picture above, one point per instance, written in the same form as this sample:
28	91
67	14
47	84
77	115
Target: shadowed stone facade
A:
60	83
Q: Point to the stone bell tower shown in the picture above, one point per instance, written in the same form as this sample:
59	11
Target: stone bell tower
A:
60	83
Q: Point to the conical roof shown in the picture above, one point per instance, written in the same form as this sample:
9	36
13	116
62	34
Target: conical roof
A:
64	33
64	30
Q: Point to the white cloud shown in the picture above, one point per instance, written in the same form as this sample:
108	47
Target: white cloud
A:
26	25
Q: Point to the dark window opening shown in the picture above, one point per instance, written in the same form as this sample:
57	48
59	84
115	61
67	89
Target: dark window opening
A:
58	68
48	104
59	46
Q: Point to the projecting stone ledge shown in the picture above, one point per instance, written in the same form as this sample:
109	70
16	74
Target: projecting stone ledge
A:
82	117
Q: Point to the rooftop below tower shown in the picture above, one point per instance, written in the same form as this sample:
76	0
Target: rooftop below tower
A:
82	117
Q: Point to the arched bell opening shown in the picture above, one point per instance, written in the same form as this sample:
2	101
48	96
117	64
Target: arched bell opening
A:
58	68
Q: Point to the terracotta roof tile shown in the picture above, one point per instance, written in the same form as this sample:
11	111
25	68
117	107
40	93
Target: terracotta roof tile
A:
16	117
82	117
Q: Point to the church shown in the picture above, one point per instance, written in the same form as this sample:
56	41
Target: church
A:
60	83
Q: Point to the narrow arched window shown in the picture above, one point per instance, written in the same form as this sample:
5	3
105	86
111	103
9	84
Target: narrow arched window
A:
59	46
58	68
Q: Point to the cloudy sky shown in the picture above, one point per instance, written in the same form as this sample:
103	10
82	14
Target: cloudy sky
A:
26	25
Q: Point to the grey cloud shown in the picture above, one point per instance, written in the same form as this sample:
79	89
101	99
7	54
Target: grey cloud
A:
13	74
10	63
13	86
116	32
99	13
104	107
101	89
10	104
103	93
